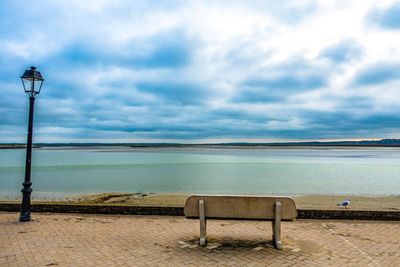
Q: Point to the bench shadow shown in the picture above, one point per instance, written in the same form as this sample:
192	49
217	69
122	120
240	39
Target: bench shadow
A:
228	244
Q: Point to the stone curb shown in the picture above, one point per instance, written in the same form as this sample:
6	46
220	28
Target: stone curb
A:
178	211
96	209
349	214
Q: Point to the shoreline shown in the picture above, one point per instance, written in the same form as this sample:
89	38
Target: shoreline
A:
311	202
304	145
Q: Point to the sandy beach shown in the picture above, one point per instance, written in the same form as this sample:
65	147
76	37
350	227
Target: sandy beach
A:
380	203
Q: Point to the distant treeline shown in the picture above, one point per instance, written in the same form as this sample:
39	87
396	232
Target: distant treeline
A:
367	143
382	142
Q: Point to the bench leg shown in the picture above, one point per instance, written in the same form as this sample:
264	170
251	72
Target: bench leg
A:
276	226
203	223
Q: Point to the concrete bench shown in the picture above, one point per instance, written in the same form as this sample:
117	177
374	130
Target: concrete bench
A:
272	208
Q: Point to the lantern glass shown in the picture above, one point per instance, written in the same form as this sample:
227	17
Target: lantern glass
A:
32	81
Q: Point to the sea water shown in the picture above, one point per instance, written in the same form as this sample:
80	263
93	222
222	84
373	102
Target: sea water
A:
293	171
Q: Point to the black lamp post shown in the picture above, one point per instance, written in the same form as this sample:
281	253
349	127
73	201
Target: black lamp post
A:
32	81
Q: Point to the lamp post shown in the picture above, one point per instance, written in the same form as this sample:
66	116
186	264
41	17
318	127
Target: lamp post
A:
32	81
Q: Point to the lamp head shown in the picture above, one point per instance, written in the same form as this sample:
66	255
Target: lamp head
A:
32	80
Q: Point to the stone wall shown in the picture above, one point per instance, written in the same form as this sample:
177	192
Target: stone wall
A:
178	211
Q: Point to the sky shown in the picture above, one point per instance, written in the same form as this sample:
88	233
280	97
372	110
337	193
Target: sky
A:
201	71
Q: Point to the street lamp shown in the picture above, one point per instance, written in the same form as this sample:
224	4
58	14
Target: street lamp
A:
32	81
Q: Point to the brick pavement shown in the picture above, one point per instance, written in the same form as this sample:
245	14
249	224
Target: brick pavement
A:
110	240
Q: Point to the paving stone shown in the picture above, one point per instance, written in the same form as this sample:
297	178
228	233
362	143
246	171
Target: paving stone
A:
116	240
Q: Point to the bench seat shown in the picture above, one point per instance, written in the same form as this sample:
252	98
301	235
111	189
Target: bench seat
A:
241	207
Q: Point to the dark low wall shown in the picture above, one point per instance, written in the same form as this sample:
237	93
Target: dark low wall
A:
96	209
349	215
178	211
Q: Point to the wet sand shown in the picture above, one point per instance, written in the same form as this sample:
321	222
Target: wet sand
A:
380	203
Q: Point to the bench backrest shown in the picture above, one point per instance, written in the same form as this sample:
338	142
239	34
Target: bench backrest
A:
240	207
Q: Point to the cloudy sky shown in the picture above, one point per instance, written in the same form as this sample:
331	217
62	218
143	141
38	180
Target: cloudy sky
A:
202	71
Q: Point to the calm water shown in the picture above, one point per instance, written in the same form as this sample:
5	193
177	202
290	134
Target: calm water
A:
363	171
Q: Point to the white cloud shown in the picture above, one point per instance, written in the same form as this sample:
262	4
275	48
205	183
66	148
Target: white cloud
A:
98	55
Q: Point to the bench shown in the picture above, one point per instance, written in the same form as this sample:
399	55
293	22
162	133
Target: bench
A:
271	208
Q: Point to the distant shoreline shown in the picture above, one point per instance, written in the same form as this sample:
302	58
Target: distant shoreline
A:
364	143
7	146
